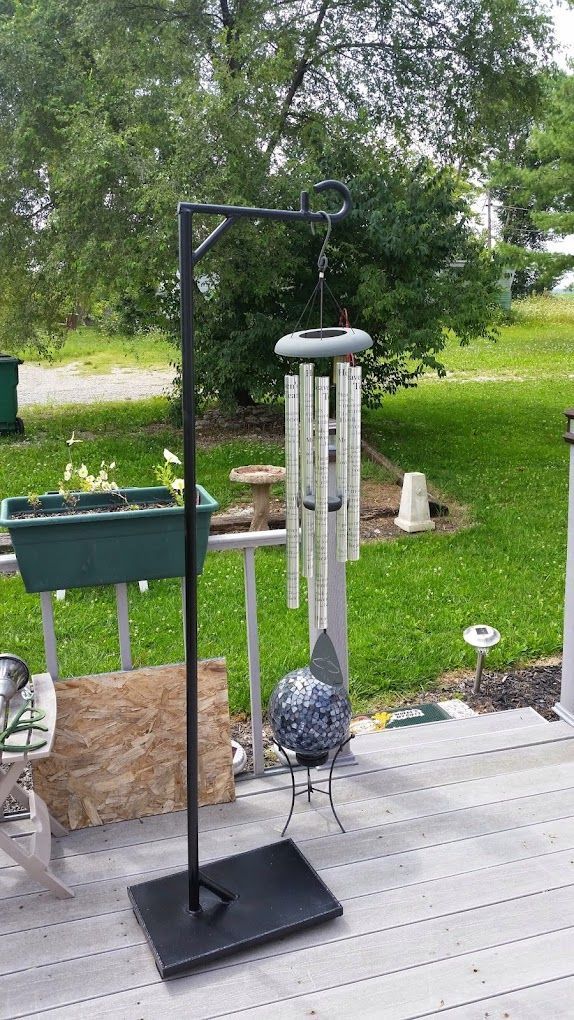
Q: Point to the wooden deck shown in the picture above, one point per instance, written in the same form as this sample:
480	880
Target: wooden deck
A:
456	874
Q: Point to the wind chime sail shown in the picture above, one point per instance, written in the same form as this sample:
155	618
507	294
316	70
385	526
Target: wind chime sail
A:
307	478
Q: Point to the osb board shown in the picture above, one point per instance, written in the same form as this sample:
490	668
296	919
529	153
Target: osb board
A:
120	750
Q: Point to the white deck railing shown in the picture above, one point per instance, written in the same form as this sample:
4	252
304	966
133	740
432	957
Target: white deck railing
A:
245	542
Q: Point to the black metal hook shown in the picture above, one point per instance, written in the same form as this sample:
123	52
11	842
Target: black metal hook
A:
235	212
331	185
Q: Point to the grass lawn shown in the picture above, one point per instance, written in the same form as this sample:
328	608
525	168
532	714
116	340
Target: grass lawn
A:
493	445
95	351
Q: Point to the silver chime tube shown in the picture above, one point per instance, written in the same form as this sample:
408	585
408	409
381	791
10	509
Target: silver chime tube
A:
342	420
292	487
306	416
354	464
321	500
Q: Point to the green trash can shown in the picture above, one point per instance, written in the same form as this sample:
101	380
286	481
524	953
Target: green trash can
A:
9	420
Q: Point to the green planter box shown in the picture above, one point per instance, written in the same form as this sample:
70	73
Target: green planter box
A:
76	551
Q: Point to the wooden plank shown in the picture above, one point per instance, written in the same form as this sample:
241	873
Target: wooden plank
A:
426	991
443	819
103	927
332	852
317	821
458	747
459	942
552	999
120	745
443	730
371	774
375	756
479	742
21	913
220	815
312	823
246	810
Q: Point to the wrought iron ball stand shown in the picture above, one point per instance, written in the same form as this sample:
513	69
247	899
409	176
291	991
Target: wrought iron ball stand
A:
309	788
195	916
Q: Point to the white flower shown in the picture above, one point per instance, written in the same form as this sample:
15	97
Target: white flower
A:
68	473
170	457
178	485
103	476
90	479
106	487
112	465
72	440
82	471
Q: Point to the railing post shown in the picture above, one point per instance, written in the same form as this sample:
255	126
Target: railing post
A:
124	625
49	634
253	659
565	707
247	543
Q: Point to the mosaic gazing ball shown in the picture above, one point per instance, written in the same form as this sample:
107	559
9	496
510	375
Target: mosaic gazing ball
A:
308	716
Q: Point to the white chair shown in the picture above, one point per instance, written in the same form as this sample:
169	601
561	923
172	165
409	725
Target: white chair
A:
35	859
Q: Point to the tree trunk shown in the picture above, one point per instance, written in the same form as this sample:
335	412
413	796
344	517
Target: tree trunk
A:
243	397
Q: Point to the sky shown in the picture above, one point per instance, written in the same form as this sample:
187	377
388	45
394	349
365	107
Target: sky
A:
564	25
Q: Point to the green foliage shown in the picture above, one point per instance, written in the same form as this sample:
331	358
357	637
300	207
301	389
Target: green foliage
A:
535	183
392	267
99	351
486	438
111	112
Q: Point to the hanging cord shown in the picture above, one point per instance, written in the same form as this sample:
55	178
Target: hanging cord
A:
322	263
321	285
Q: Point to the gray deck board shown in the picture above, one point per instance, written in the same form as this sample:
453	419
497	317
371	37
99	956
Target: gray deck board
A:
456	874
366	785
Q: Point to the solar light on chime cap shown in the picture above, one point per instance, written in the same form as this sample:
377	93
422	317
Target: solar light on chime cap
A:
331	342
482	638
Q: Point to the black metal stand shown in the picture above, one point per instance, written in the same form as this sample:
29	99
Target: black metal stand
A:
192	917
308	788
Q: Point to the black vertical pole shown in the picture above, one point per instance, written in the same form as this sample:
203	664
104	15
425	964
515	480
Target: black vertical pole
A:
188	407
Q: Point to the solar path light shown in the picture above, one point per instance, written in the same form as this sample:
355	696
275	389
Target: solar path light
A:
482	638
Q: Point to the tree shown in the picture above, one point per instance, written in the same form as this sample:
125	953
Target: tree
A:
113	110
535	185
407	267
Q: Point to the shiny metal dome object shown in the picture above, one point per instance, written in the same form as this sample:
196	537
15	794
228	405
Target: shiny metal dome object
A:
14	675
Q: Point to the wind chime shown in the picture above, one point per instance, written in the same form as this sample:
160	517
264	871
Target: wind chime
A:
307	429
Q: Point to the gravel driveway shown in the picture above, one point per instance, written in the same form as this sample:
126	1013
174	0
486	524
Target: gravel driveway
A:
66	385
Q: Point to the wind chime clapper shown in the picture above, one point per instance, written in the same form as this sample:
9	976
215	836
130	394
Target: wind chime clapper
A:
307	427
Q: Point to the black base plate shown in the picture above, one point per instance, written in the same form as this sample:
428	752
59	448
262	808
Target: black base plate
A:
277	891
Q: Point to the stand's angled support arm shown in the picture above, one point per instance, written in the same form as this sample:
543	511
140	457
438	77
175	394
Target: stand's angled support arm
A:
275	876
